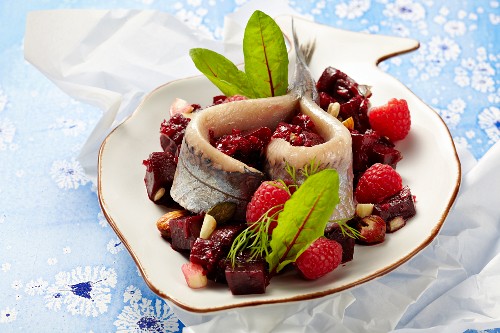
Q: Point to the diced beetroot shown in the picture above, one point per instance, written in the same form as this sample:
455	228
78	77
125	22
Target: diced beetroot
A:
357	108
334	232
247	276
185	230
225	235
400	204
362	146
245	147
386	155
160	170
174	129
325	100
206	253
300	132
338	85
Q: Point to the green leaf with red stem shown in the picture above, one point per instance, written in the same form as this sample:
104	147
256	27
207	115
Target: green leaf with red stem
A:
222	72
304	218
266	57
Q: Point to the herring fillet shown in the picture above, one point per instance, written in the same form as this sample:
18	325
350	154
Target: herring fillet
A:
205	176
334	153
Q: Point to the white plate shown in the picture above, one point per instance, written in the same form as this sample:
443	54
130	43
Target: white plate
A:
430	167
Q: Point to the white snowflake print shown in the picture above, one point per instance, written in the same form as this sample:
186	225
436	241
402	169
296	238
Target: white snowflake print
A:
455	28
8	315
36	287
142	316
352	9
444	48
7	132
114	246
478	73
489	121
16	284
6	266
68	174
84	291
132	294
453	113
70	127
406	10
66	250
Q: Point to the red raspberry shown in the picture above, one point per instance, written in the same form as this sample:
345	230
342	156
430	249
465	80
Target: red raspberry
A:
391	120
377	183
269	194
320	258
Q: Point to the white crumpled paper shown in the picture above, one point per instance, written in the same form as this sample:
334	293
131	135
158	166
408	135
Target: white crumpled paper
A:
111	59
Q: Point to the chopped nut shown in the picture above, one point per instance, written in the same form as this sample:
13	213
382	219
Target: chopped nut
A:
163	223
159	194
363	210
208	226
349	123
334	109
395	224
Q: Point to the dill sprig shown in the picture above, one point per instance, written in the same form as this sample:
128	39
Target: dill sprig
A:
346	229
310	169
255	237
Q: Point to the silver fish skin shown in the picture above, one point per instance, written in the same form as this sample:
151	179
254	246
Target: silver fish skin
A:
205	176
334	153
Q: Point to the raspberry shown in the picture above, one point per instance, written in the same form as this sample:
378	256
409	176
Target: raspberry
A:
269	194
391	120
320	258
377	183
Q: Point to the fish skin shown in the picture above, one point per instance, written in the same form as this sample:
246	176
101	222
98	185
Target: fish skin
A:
334	153
205	176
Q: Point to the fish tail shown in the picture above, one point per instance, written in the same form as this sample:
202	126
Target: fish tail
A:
303	83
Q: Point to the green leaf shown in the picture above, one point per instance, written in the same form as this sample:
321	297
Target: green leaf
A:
303	218
222	72
266	57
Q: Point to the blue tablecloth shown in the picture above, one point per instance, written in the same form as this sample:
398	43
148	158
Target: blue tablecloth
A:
62	268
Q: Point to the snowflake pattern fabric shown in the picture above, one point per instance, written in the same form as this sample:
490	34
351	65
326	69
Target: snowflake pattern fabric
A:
61	265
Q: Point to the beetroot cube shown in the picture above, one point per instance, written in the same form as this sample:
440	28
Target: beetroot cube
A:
185	230
160	170
362	146
225	235
334	232
206	253
385	155
247	276
400	204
